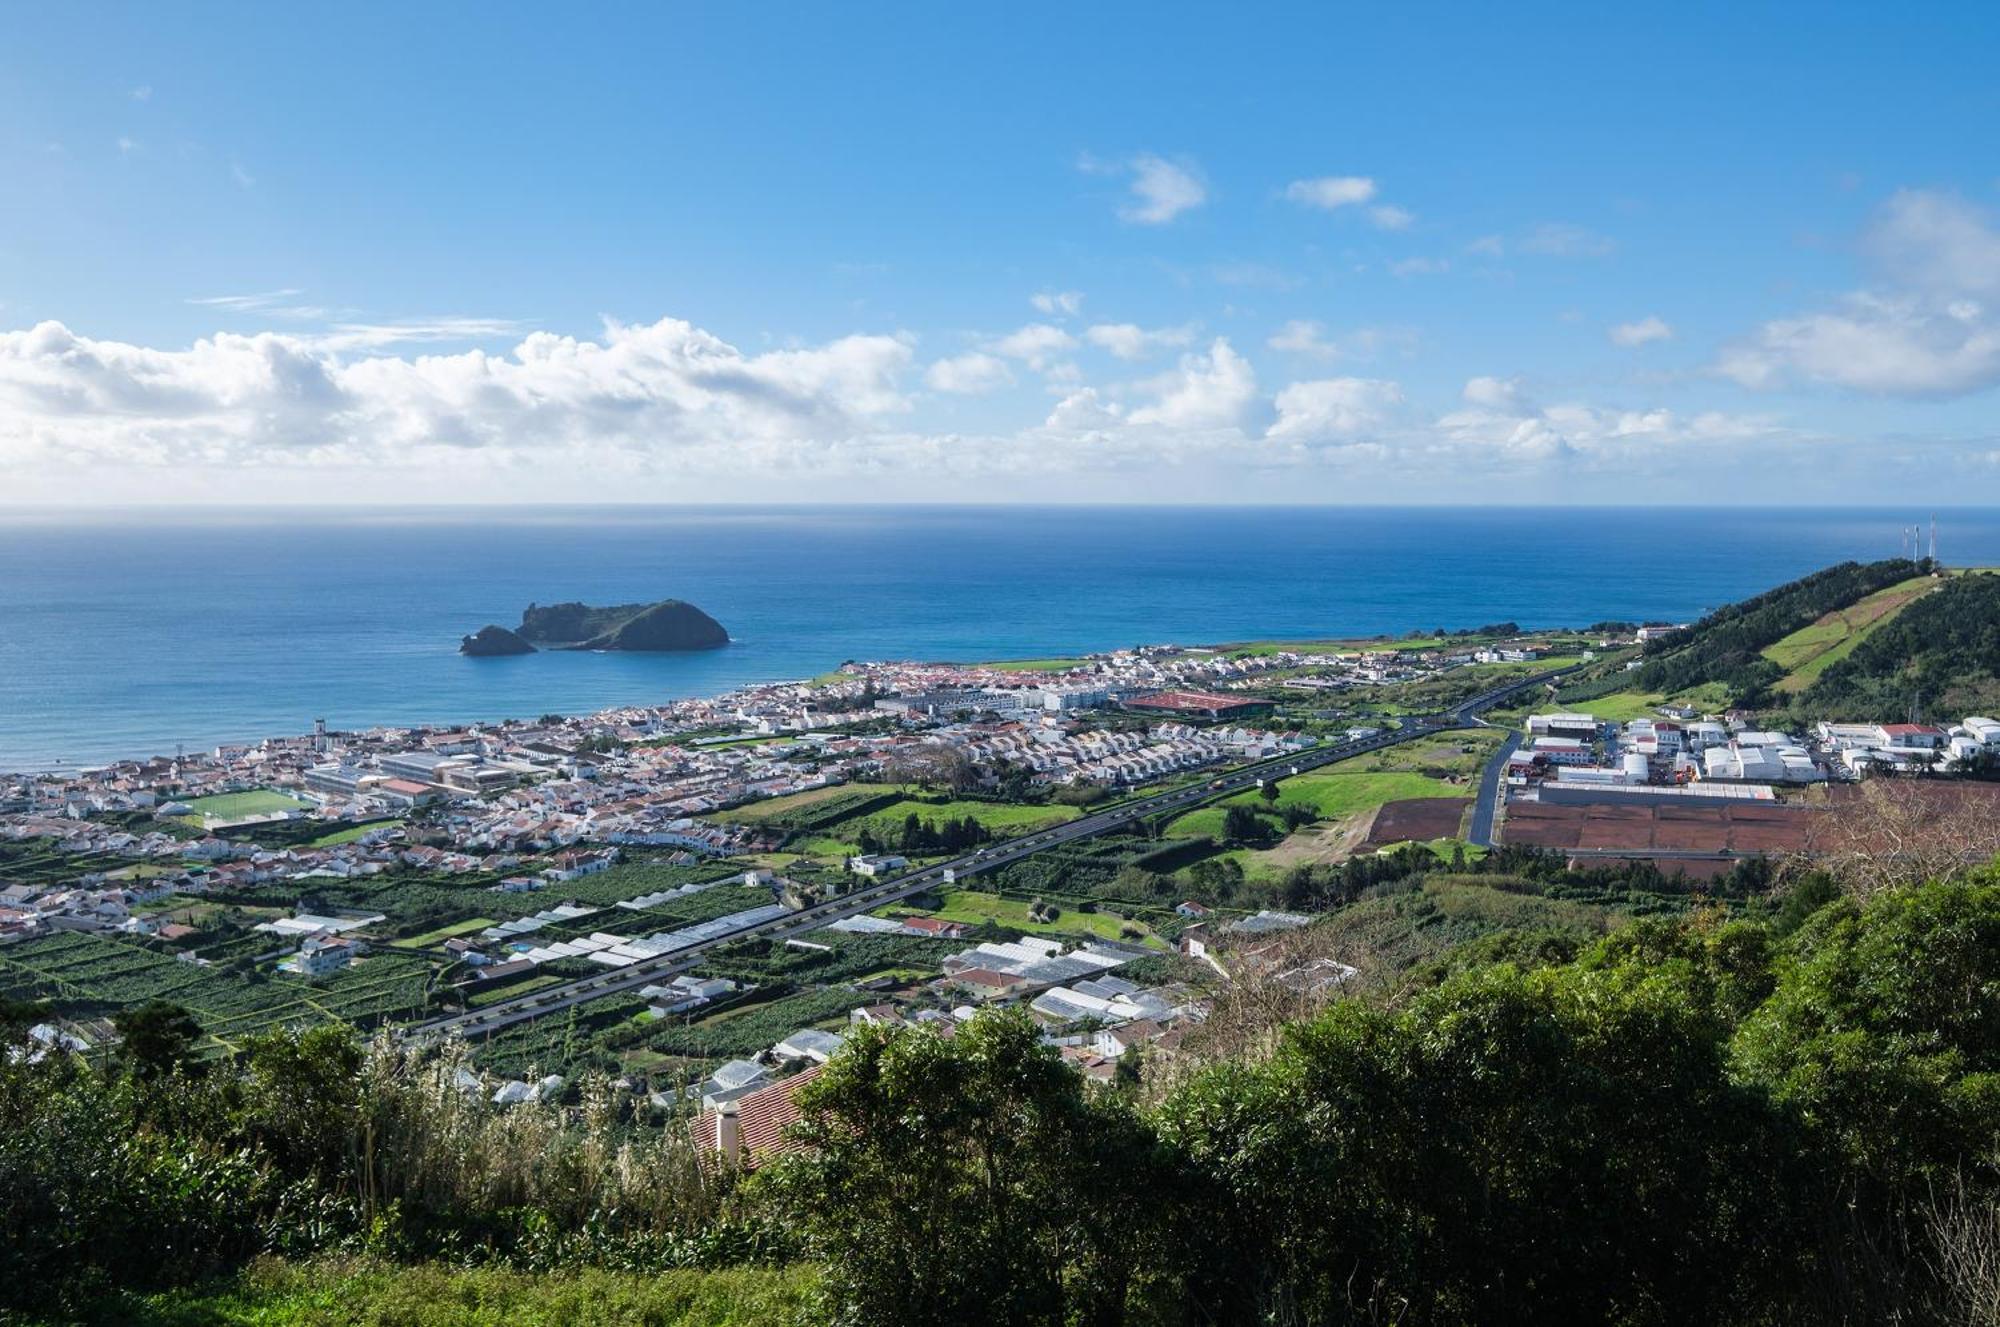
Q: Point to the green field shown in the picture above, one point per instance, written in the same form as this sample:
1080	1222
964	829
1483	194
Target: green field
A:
443	933
1034	665
1811	650
351	833
772	808
974	908
1332	796
1620	706
240	806
1000	817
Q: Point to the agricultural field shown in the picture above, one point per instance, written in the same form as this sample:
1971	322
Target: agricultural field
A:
443	933
974	908
810	809
1001	817
632	878
90	976
1811	650
1332	796
242	806
1621	706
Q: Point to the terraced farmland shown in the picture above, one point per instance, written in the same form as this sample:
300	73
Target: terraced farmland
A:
88	976
1811	650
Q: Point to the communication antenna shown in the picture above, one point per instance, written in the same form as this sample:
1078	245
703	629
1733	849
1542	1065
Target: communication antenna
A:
1933	538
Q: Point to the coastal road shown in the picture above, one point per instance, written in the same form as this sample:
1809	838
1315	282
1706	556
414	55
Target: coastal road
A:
618	981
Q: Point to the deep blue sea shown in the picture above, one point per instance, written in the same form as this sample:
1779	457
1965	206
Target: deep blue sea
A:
128	633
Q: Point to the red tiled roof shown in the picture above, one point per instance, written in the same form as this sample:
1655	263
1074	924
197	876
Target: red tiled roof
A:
762	1118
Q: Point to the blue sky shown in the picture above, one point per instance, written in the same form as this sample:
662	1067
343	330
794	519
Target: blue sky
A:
1157	253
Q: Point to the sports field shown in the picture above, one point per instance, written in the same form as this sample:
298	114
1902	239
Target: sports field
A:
242	806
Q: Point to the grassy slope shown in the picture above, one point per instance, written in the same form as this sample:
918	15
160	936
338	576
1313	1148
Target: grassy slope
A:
275	1294
1811	650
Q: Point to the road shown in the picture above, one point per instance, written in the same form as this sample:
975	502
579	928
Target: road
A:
617	981
1486	810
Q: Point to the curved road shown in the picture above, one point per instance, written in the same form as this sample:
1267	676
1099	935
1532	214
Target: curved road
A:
616	981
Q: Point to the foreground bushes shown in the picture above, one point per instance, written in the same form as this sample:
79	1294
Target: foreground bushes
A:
1688	1121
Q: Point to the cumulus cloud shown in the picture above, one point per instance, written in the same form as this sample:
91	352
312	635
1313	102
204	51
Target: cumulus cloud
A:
1036	344
1207	391
662	389
1487	246
1058	303
1926	329
1647	329
1499	418
1333	409
1160	189
1329	193
1131	341
969	375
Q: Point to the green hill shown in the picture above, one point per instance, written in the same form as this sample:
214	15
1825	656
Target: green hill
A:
1942	651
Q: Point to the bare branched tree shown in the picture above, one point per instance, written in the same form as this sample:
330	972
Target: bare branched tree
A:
1964	1224
1890	833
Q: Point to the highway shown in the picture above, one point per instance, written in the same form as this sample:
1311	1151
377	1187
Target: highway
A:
617	981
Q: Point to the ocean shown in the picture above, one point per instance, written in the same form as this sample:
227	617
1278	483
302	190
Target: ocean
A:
130	633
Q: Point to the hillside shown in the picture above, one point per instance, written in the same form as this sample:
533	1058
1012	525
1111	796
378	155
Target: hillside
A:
1757	653
1727	645
1941	652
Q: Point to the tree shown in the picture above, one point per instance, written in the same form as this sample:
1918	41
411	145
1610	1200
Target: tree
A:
969	1180
1242	825
302	1094
156	1038
1268	790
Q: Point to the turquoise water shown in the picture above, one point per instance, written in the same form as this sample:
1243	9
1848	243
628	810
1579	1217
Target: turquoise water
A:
126	634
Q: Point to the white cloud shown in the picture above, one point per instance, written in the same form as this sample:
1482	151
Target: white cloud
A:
1333	409
244	179
1420	266
1131	341
1647	329
1207	391
1161	189
1500	419
1387	217
144	92
262	299
1559	239
969	375
662	391
1927	329
1304	336
1331	192
127	145
1487	246
1036	344
1066	303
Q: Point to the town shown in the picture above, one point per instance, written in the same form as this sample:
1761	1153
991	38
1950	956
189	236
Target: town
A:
750	857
